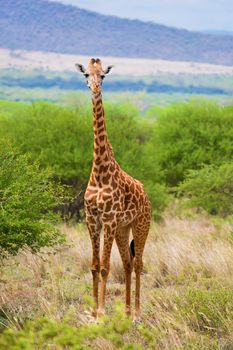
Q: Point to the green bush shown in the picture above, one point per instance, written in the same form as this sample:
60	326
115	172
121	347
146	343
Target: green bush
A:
48	334
189	135
27	197
210	188
62	138
182	137
54	135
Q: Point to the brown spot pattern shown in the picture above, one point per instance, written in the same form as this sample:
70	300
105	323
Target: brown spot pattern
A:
117	202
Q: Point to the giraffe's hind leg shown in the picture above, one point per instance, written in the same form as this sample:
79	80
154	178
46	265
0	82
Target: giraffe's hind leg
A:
109	235
140	232
122	240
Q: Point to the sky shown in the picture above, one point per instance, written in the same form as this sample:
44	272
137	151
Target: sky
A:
188	14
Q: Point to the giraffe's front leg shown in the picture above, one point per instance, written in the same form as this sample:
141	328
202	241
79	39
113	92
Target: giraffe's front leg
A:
94	228
109	234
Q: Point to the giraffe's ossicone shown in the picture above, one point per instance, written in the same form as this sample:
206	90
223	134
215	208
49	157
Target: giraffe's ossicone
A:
114	201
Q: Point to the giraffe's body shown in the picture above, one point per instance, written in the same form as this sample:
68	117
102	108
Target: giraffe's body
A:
115	202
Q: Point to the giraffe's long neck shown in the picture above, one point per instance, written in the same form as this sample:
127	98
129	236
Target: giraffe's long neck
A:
102	147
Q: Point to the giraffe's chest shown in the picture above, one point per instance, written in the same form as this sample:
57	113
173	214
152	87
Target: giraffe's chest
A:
104	200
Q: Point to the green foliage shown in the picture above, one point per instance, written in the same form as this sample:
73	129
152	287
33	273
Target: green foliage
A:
208	315
189	135
210	188
45	333
27	197
159	197
62	138
182	137
55	136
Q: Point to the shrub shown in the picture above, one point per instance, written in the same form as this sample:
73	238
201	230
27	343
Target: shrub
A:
210	188
44	333
62	138
27	197
54	135
190	135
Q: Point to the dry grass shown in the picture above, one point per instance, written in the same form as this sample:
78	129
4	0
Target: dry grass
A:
180	254
189	248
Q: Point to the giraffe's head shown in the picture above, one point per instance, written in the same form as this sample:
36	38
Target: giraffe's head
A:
94	74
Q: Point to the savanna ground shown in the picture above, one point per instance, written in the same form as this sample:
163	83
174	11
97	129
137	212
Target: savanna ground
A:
187	281
187	285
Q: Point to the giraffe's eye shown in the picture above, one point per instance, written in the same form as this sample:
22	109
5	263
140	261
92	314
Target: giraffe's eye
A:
86	75
102	76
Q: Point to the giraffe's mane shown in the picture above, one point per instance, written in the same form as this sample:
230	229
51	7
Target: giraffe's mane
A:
110	149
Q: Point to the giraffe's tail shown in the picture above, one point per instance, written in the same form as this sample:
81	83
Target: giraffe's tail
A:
132	249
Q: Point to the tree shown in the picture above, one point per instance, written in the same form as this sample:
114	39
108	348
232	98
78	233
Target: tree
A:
210	188
27	198
190	135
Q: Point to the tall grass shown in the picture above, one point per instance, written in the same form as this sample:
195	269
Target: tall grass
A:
186	284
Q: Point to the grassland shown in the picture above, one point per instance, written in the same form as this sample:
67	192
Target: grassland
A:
32	75
144	91
187	284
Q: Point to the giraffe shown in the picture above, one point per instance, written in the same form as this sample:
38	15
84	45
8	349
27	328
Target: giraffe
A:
114	201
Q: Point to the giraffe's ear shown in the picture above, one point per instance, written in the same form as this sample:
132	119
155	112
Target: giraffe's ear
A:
107	70
80	68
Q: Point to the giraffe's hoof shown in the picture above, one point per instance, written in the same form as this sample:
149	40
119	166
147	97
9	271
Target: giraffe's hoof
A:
94	313
137	320
127	313
100	313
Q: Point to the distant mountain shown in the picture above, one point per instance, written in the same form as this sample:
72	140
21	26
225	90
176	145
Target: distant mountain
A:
50	26
217	32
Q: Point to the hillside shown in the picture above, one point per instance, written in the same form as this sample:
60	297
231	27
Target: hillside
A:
50	26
